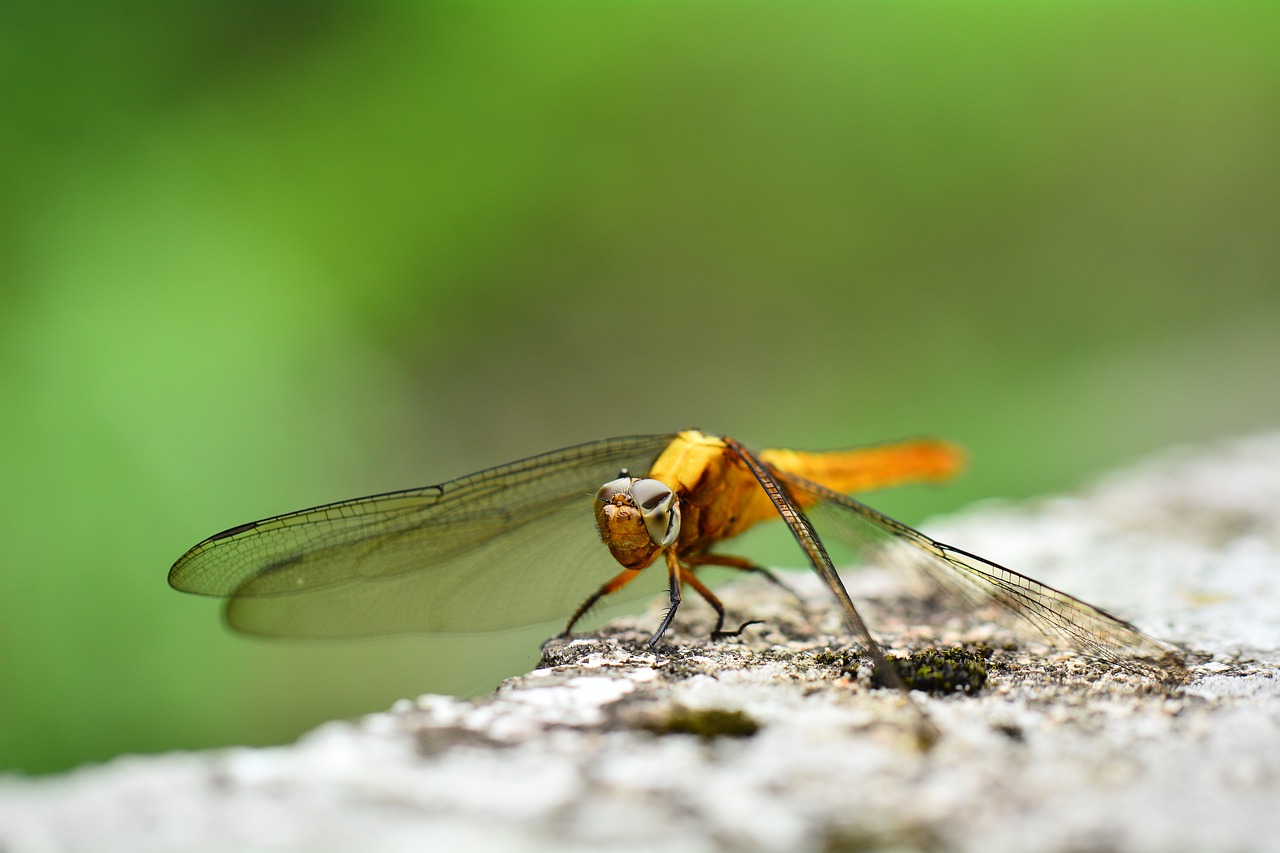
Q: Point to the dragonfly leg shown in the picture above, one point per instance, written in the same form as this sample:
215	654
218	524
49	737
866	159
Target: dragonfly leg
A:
614	584
742	565
717	632
674	571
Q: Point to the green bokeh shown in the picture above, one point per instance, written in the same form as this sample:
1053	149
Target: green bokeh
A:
259	257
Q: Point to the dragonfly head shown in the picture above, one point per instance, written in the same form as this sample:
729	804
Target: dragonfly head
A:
637	519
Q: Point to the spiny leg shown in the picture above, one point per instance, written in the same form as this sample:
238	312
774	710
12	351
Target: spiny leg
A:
716	633
674	571
616	583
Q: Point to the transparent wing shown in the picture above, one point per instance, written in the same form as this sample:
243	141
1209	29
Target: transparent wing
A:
780	494
1062	619
507	546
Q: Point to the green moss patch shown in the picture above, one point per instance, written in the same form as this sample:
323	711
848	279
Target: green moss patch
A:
707	723
954	670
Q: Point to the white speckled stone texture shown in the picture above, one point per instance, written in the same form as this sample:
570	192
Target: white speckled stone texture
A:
1056	753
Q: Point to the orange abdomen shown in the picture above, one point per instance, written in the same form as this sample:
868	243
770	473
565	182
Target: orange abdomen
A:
721	498
865	469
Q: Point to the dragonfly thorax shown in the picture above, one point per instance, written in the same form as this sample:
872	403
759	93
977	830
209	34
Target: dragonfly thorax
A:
637	519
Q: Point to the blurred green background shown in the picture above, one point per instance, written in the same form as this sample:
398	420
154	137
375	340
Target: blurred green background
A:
258	257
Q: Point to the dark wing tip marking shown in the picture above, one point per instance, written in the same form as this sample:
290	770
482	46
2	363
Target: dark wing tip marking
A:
228	533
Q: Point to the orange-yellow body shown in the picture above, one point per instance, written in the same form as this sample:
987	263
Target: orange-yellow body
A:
703	486
720	498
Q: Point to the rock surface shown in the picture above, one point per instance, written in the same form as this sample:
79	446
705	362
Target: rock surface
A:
775	741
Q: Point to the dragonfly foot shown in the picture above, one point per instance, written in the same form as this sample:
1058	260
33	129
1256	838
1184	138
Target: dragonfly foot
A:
720	635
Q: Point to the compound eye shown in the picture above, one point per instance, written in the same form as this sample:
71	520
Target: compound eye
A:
613	488
660	509
650	495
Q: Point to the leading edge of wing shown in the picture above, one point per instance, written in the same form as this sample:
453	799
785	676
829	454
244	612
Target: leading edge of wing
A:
224	563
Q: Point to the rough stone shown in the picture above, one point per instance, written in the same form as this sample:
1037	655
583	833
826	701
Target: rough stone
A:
777	741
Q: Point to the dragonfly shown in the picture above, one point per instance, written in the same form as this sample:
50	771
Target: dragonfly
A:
515	545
